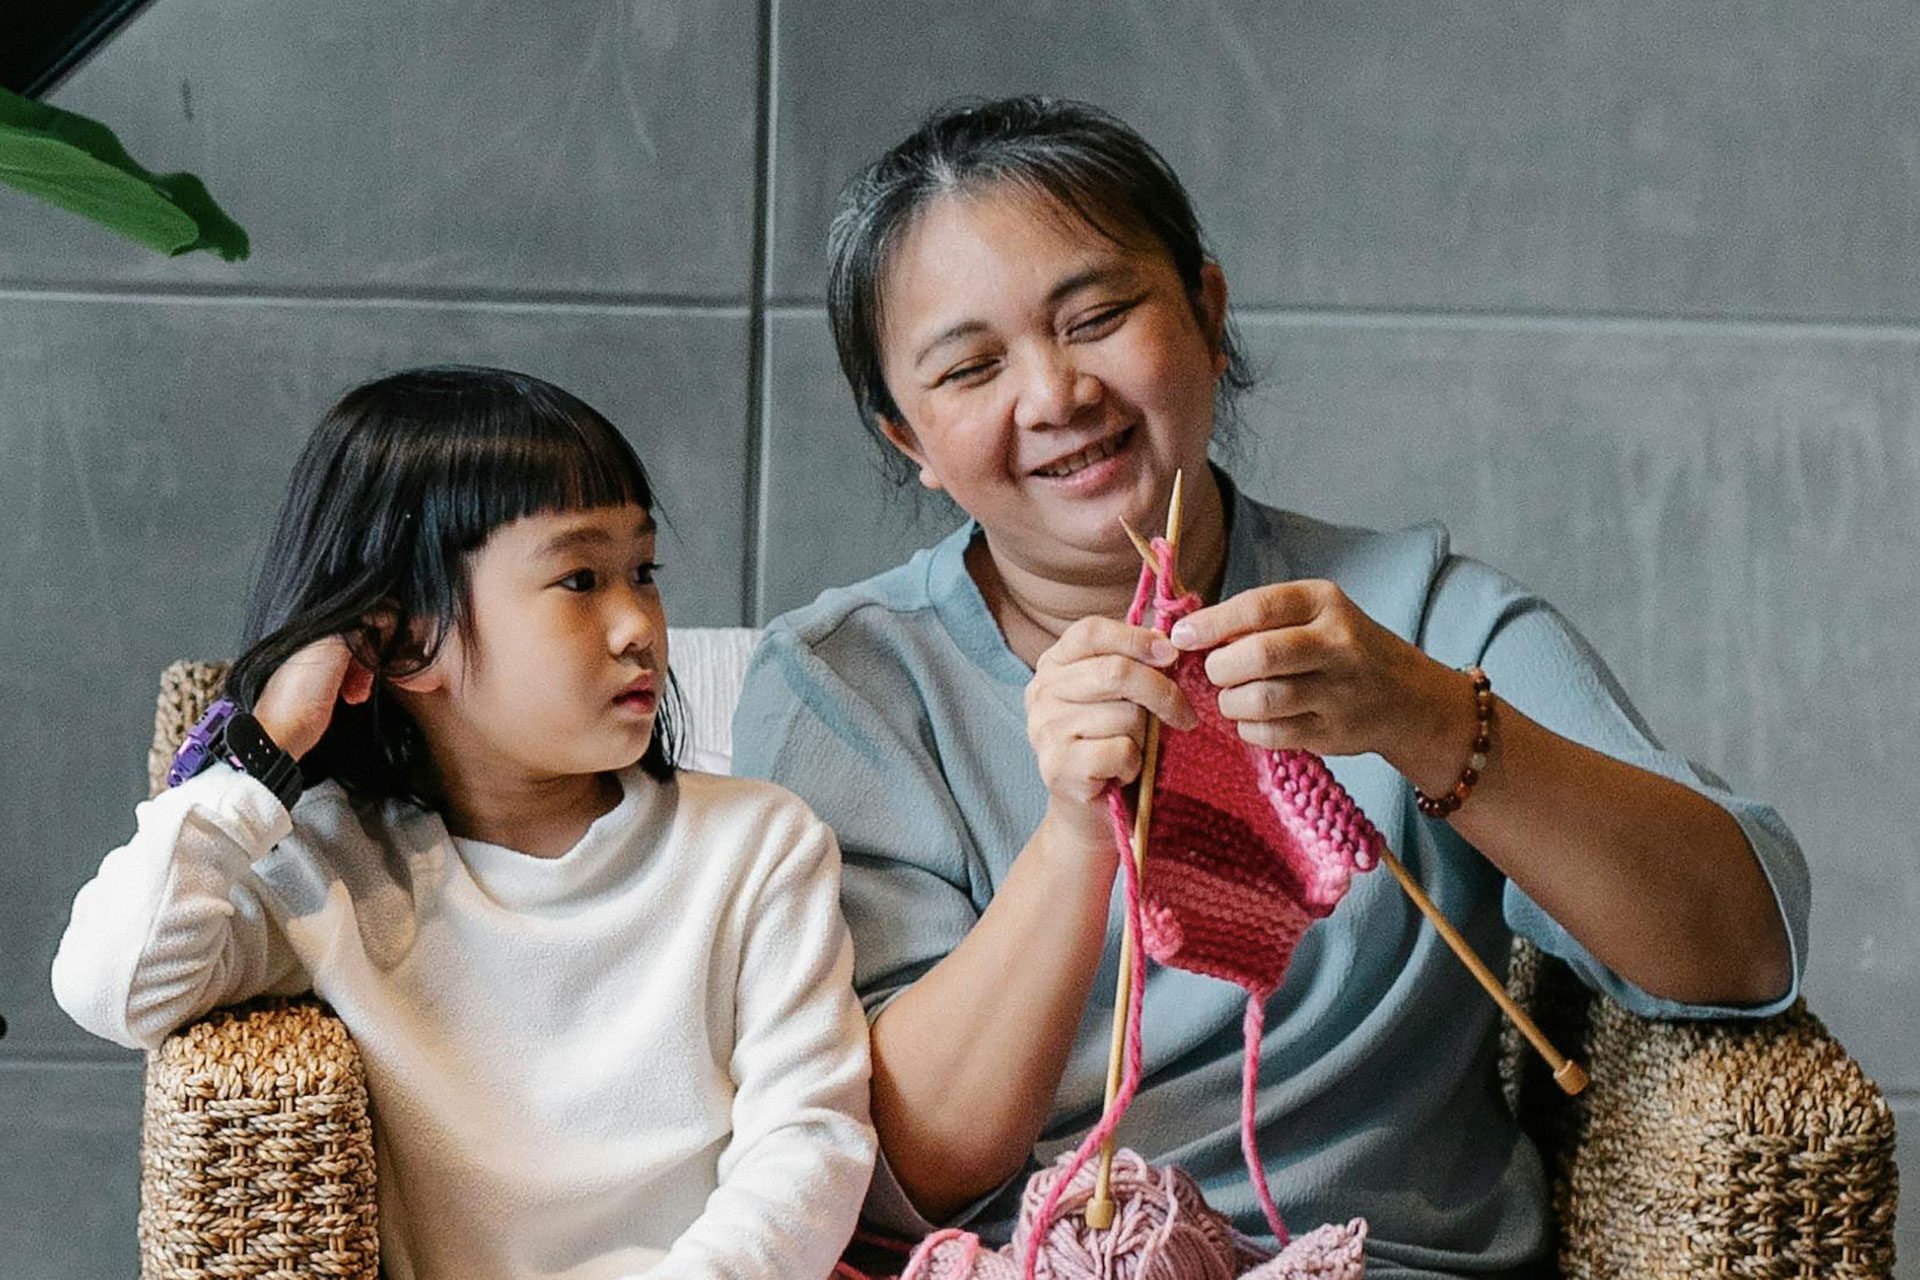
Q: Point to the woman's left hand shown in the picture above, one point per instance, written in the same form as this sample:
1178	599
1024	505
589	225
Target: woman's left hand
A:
1299	665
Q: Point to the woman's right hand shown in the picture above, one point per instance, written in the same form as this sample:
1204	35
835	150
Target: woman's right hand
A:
297	705
1087	708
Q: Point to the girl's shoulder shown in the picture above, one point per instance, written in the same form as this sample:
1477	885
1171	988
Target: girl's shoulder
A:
716	799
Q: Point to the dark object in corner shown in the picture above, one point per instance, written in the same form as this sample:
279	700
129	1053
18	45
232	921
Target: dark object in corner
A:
47	39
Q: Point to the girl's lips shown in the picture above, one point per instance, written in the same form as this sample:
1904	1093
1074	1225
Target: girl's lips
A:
638	696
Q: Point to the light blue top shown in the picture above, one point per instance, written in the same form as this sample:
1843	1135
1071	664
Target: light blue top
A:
895	708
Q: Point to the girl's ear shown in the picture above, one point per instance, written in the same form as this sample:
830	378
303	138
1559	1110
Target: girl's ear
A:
401	660
901	436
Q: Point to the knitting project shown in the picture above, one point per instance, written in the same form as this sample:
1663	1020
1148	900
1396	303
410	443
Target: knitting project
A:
1248	848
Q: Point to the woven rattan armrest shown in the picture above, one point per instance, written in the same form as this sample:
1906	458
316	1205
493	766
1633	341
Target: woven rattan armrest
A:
256	1148
1745	1148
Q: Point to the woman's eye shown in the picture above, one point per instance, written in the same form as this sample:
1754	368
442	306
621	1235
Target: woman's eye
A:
1101	322
972	371
580	580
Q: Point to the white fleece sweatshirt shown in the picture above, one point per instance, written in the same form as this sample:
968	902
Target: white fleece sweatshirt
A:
641	1058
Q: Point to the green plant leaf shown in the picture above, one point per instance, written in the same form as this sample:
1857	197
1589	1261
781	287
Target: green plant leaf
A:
78	164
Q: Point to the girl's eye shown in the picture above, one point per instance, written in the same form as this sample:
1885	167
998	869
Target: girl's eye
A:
643	573
580	580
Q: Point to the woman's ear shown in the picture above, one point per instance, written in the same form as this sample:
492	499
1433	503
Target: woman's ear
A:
1211	308
901	436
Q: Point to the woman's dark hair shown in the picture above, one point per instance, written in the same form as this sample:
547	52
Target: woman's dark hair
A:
402	480
1083	159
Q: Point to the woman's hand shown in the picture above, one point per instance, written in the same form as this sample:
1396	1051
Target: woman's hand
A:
1300	665
1087	708
297	705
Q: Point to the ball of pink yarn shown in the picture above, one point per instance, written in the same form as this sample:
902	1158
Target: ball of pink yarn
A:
1163	1229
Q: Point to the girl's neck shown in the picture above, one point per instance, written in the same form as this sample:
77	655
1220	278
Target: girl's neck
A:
540	817
1035	604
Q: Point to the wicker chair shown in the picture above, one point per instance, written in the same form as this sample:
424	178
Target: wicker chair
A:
1735	1148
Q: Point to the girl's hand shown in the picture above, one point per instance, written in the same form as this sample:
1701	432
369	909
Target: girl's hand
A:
1087	708
1300	665
297	705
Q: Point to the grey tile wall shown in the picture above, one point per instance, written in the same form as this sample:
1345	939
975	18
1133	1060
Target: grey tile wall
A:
1460	235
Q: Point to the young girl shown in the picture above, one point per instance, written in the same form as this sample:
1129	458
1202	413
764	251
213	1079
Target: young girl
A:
605	1006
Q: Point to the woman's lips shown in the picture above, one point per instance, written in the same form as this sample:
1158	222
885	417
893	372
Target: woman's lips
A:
1093	474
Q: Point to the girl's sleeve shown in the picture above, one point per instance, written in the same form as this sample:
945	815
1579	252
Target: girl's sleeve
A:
174	923
1541	665
794	1172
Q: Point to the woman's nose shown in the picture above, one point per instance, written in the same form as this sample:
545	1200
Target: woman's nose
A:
1052	389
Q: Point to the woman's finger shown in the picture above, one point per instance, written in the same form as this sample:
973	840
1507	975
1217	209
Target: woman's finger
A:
1112	678
1270	699
1091	637
1283	604
1266	655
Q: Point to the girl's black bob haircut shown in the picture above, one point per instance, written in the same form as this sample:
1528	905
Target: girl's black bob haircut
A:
403	479
1089	163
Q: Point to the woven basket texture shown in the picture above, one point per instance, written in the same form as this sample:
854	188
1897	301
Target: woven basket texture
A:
1718	1148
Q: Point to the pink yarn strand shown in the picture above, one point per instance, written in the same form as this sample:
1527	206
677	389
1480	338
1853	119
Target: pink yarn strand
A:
1255	1026
1130	1073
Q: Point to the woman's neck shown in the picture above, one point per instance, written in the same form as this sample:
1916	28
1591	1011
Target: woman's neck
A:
540	817
1035	602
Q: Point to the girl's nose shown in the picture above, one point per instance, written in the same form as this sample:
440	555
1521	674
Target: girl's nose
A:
632	628
1053	389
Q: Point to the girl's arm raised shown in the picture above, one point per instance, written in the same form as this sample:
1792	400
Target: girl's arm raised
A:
173	924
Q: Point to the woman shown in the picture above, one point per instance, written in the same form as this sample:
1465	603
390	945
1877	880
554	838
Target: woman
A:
1029	320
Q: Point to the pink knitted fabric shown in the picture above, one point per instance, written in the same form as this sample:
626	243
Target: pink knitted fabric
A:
1247	848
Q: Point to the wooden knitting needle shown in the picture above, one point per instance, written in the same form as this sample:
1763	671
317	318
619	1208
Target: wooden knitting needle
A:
1099	1210
1566	1072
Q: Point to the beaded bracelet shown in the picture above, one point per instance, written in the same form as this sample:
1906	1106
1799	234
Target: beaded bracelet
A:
1445	804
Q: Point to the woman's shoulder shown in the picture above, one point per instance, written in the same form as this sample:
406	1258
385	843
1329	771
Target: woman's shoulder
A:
892	597
1390	573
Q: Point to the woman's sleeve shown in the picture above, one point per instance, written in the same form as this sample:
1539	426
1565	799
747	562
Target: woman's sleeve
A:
174	923
849	752
1540	664
793	1174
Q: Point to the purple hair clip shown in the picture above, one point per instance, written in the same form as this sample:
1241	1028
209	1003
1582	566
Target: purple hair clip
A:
196	752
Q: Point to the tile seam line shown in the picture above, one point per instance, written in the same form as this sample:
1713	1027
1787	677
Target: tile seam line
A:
1544	322
642	305
754	514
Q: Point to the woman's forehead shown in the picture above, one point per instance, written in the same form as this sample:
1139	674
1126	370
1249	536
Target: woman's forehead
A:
970	246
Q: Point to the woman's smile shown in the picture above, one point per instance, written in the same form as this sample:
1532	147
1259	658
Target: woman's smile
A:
1090	466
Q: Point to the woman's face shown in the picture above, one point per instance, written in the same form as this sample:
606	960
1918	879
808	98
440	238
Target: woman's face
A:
1049	379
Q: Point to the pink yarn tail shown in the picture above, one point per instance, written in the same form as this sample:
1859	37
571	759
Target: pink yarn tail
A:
1255	1026
1130	1073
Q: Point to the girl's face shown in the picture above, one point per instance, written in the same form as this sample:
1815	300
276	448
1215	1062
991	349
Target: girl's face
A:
1049	379
563	666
